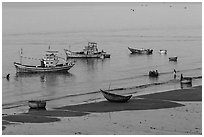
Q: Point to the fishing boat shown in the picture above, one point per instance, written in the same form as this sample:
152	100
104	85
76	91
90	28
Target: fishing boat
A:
173	58
114	97
49	63
90	51
140	51
37	104
163	51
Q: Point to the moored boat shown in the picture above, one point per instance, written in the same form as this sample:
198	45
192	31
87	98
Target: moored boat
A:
114	97
49	63
141	51
163	51
173	58
90	51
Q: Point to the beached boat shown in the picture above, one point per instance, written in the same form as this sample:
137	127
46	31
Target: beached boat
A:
37	104
163	51
153	73
49	63
90	51
141	51
173	58
186	80
114	97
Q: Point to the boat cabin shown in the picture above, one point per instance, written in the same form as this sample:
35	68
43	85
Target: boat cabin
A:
50	59
91	48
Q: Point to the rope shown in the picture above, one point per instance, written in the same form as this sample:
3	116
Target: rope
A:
30	58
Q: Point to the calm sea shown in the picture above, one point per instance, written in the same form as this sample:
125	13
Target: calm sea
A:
176	27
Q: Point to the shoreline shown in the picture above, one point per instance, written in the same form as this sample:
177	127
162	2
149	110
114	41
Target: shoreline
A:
161	103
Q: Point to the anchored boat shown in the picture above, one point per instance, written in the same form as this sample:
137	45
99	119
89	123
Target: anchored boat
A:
114	97
173	58
49	63
141	51
162	51
90	51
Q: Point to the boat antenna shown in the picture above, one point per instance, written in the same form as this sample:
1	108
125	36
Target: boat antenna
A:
21	54
109	86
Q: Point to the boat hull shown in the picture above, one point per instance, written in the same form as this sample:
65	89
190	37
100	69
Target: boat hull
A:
39	69
114	97
140	51
70	54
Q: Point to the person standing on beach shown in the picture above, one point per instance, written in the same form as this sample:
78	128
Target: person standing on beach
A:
181	77
174	74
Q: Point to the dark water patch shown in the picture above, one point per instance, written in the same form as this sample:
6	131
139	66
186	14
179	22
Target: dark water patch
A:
192	94
133	104
23	118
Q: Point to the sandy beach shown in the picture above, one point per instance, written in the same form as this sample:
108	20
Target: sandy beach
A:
176	112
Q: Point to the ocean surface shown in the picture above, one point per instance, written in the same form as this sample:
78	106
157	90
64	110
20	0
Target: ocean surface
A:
176	27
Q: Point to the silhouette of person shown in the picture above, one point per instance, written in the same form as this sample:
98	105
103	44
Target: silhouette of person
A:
174	74
7	76
181	76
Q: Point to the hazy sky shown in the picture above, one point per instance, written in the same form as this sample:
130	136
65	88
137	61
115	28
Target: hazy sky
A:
52	17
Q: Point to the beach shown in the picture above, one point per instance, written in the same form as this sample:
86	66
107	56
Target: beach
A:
74	103
177	112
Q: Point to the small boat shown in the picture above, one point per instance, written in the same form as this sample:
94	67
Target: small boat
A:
90	51
49	63
114	97
186	80
141	51
173	58
163	51
37	104
153	73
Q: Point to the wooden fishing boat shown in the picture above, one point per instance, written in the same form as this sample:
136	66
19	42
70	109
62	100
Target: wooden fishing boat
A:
90	51
173	58
114	97
49	63
163	51
141	51
37	104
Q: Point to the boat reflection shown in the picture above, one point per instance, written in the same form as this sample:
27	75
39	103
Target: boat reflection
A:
91	64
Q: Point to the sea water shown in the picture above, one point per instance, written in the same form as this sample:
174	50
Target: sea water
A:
34	27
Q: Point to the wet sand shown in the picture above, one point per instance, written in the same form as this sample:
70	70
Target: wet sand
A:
171	112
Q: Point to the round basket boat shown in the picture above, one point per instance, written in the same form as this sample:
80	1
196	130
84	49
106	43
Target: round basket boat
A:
37	104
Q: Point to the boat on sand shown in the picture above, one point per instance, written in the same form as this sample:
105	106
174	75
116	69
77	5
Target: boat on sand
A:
37	104
115	97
